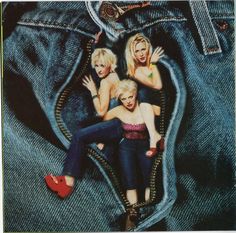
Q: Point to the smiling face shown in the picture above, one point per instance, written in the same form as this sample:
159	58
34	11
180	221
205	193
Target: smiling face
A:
141	52
102	69
128	100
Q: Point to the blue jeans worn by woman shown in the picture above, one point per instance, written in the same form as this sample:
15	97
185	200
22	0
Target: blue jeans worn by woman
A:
103	132
134	162
108	132
47	51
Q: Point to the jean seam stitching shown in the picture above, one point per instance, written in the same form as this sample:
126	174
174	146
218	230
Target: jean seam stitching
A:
159	20
151	23
55	25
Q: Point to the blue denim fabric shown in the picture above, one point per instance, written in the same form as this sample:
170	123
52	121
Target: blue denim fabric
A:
108	132
103	132
134	162
46	47
148	95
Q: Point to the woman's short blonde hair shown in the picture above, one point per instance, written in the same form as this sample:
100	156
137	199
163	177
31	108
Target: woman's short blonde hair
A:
126	85
105	56
131	61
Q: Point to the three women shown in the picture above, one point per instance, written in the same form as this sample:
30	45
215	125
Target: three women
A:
139	64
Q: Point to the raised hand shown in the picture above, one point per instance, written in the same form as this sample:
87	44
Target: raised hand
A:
156	55
100	146
90	84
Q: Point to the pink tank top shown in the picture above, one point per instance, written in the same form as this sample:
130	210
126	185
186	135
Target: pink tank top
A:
135	131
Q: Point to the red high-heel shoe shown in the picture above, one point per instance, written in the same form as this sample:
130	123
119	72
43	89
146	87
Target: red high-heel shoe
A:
61	188
158	149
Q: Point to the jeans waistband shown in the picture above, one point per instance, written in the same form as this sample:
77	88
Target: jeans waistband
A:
116	17
89	17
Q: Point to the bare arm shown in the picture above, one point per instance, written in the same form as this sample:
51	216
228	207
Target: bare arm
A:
149	76
113	113
101	101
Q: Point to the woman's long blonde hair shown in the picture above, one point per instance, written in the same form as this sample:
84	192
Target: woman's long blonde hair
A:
131	61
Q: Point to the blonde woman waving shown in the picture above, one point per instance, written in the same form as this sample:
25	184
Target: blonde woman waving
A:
141	66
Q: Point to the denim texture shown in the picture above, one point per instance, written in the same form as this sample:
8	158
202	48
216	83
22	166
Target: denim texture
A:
148	95
45	50
103	132
134	162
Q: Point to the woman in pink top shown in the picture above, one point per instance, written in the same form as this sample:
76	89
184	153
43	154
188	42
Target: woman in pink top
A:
135	142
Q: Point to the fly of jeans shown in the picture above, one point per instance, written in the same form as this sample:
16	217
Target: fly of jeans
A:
106	166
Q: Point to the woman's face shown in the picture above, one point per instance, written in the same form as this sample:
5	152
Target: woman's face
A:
128	100
102	69
141	52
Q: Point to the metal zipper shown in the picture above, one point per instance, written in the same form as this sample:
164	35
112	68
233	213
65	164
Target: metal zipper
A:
65	93
92	153
107	167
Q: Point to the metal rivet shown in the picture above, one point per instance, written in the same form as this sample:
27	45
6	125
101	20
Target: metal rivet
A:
222	25
108	11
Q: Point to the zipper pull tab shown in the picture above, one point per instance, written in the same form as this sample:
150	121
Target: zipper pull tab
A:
97	36
132	216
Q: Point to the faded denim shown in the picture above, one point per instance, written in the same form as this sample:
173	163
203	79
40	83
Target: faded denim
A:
44	54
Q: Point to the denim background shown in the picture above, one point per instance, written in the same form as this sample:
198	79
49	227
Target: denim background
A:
44	52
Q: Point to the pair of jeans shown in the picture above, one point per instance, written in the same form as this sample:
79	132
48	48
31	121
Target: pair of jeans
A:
134	162
103	132
47	50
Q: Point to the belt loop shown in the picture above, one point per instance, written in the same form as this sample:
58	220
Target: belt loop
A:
206	30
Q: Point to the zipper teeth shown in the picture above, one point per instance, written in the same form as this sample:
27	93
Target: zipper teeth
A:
65	93
68	135
59	105
153	175
112	175
158	160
